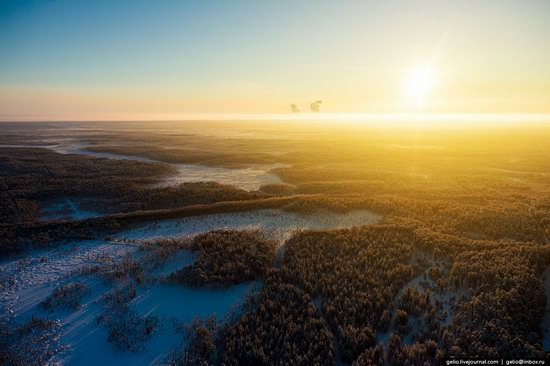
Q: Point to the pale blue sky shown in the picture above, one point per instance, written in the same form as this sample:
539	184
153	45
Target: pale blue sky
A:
126	57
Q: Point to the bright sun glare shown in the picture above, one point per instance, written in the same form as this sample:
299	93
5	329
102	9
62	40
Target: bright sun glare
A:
418	84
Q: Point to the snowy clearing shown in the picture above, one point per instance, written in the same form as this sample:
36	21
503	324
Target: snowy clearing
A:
249	178
27	282
66	209
79	339
157	308
276	224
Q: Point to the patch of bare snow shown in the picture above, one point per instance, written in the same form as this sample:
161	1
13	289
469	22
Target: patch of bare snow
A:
249	178
181	259
28	281
276	224
66	209
171	305
25	283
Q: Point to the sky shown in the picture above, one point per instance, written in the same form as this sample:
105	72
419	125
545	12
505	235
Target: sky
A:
138	59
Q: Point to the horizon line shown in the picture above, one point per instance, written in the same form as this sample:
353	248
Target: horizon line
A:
321	116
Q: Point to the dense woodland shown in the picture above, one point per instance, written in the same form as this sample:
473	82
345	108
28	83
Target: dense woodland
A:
227	258
356	275
388	294
455	269
279	327
33	179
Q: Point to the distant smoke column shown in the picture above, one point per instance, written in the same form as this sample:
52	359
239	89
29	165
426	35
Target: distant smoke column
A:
316	106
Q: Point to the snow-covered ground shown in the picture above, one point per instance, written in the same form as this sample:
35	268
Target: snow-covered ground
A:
249	178
277	224
172	305
81	340
181	259
66	209
421	282
27	282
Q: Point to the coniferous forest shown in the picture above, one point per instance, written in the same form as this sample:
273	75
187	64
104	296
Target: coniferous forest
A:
342	248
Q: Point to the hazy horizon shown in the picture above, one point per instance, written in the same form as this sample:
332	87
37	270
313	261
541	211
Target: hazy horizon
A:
139	60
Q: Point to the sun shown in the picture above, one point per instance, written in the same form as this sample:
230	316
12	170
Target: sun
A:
418	84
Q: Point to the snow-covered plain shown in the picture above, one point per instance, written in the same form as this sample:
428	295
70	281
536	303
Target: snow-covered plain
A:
276	224
66	209
249	178
25	283
79	338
